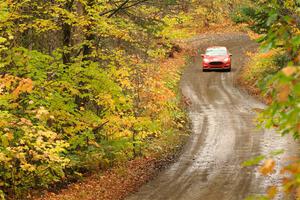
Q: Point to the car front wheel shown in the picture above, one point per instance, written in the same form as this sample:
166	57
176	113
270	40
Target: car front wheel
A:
228	70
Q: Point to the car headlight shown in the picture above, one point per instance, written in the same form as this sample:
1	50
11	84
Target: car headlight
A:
226	59
205	60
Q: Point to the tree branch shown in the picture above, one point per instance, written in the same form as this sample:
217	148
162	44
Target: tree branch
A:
98	128
118	9
123	6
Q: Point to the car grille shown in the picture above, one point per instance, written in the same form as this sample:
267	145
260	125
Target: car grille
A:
216	63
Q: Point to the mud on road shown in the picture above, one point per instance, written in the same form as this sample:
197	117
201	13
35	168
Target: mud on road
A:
224	135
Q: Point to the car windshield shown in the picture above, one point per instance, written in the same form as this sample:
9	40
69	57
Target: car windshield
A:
216	52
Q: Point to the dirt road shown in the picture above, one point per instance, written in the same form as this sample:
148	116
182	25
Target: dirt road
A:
224	135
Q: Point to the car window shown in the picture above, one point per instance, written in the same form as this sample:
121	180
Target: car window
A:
216	52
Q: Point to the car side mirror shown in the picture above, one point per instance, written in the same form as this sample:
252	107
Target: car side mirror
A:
230	55
202	55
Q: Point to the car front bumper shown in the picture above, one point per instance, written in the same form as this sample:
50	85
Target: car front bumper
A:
219	65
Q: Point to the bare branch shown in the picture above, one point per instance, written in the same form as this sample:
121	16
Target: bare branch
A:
123	6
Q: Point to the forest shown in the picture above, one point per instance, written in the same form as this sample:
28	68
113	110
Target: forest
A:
83	87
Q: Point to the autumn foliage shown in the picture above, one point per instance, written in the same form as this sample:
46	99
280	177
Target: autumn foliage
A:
277	70
82	88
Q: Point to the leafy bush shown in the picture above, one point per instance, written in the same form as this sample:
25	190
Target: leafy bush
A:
283	113
242	14
28	150
262	65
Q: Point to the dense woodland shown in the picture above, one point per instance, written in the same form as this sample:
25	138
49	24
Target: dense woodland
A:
81	87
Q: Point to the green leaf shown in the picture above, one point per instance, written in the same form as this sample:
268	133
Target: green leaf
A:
296	40
272	18
253	161
277	152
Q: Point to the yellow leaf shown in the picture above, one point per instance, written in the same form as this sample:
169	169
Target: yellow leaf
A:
82	108
10	136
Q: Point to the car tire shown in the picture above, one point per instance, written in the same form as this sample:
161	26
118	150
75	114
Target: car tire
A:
228	70
205	70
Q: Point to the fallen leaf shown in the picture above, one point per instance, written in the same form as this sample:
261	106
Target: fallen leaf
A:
298	193
272	192
258	110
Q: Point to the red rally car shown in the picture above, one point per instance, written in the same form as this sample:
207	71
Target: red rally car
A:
216	58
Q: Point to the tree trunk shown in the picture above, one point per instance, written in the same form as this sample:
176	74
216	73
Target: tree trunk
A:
90	36
67	35
87	48
67	31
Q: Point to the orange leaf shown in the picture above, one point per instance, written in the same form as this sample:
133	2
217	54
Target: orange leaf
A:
25	85
298	193
268	167
284	93
272	192
289	71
